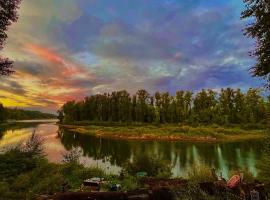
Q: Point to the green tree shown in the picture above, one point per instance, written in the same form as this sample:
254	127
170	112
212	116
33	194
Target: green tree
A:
3	113
226	102
188	104
133	109
231	106
240	107
69	111
143	100
8	14
124	106
180	106
165	105
254	111
204	105
259	12
158	107
60	115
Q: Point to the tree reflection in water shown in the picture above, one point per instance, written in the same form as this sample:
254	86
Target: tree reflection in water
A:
182	155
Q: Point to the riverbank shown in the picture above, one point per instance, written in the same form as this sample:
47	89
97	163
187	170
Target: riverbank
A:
169	132
36	178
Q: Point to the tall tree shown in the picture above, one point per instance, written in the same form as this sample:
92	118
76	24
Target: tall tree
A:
158	107
180	105
204	105
231	106
227	105
165	105
253	104
2	113
240	107
8	14
259	12
143	100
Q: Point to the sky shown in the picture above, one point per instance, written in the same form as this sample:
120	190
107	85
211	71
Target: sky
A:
69	49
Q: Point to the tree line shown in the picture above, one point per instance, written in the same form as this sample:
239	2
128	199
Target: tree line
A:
19	114
227	106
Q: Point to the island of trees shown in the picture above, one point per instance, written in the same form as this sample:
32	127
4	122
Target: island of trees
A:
227	106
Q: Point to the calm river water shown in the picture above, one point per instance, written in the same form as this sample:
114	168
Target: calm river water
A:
111	154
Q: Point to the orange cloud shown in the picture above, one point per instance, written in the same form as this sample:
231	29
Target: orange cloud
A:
44	53
66	67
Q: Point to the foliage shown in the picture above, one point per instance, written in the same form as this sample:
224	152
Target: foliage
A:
75	174
8	14
72	156
3	114
34	146
228	106
200	173
263	165
193	192
24	173
19	114
153	166
259	28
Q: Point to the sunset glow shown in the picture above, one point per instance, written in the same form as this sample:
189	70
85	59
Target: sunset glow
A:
73	49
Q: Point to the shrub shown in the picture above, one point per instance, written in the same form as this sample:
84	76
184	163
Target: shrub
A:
153	166
200	173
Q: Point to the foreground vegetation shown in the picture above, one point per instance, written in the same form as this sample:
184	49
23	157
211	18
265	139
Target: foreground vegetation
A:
25	173
169	131
19	114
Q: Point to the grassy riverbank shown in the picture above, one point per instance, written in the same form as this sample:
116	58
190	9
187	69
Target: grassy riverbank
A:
169	132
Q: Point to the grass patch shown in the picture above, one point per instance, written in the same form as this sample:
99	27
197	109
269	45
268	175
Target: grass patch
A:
168	132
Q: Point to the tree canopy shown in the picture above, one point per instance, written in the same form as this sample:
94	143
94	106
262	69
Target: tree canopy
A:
8	14
227	106
259	28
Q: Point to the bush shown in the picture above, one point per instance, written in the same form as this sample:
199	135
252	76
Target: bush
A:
200	173
75	174
154	167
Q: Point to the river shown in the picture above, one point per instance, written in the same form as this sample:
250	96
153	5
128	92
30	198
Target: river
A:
111	154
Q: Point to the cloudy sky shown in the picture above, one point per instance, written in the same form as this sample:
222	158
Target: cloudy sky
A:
67	49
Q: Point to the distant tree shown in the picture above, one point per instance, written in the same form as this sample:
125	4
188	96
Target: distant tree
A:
165	105
240	107
69	111
143	100
2	113
180	105
188	104
204	104
158	107
253	106
60	115
133	109
226	107
8	14
259	12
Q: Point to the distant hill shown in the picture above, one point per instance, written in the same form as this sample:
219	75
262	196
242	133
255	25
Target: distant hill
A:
20	114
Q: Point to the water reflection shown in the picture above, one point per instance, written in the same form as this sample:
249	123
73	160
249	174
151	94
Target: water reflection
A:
182	155
111	154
